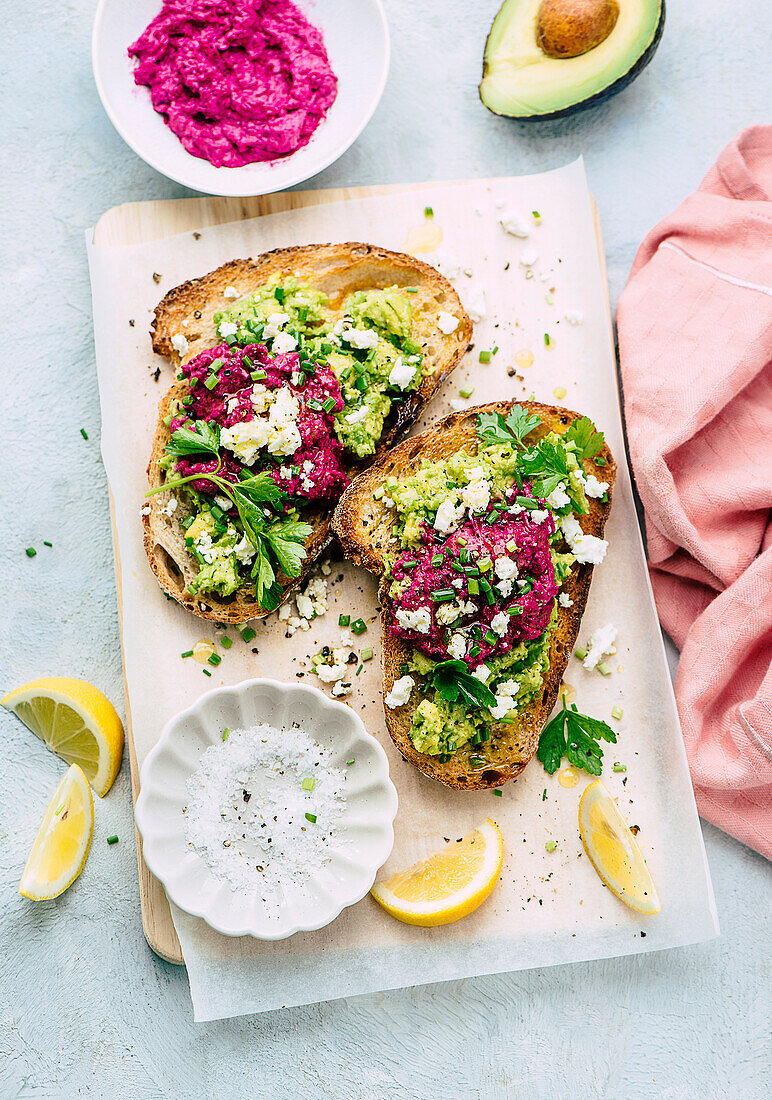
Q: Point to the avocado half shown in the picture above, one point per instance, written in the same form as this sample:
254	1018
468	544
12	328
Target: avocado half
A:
520	80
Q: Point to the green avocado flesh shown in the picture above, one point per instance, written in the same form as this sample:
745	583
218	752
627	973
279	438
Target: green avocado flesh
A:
521	81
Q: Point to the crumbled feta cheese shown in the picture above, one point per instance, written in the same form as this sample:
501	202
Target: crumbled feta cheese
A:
482	673
328	674
304	605
595	488
275	323
457	647
358	415
284	612
449	515
500	623
420	619
326	567
360	337
400	692
558	498
585	548
223	502
245	551
261	398
601	643
231	404
509	687
180	344
446	322
230	292
246	439
529	258
226	328
171	507
474	300
283	343
511	223
505	588
539	515
341	689
505	568
574	316
447	264
447	613
457	583
505	699
402	374
565	600
477	494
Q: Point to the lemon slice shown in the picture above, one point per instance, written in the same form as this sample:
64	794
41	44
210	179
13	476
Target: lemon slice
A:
450	884
76	721
613	850
63	840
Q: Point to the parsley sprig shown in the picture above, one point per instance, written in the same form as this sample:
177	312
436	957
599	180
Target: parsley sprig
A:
454	682
588	440
576	736
279	544
494	428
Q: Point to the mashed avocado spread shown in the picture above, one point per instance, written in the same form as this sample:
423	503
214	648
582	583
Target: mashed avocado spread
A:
486	540
269	417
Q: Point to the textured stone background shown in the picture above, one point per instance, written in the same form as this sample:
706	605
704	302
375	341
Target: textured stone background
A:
85	1008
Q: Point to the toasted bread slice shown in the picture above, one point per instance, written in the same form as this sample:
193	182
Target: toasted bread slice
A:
337	270
364	527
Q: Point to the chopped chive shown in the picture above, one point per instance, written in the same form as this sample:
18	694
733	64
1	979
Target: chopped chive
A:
351	761
329	404
473	586
551	845
359	669
604	669
359	626
442	595
536	215
215	365
226	642
484	564
247	362
409	564
258	375
616	712
187	401
58	810
499	792
311	818
344	620
428	212
367	655
211	381
248	634
84	433
485	357
206	672
214	659
411	289
580	653
308	784
438	559
30	551
620	767
225	732
544	795
378	493
278	294
547	339
461	542
490	637
466	391
112	839
495	349
187	653
48	544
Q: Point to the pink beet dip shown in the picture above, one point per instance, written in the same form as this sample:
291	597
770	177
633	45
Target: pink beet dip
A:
237	81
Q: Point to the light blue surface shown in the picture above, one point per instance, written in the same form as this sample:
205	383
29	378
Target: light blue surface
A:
85	1008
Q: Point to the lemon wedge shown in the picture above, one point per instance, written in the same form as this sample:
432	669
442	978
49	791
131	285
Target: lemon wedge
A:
450	884
614	852
76	721
63	840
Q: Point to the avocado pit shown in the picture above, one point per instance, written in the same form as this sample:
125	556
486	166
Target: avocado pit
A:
570	28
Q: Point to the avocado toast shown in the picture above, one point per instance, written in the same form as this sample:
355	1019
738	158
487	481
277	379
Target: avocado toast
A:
294	370
483	531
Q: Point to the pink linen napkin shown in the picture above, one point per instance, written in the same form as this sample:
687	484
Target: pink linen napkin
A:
695	342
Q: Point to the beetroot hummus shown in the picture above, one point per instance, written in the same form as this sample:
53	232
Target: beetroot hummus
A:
237	81
313	471
495	615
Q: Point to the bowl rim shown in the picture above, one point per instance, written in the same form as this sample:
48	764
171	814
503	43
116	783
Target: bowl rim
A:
378	858
265	187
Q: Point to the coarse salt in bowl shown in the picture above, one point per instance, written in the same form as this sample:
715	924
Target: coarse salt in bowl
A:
356	38
359	843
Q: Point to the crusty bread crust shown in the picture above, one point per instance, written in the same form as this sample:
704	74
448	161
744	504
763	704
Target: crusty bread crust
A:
364	525
337	270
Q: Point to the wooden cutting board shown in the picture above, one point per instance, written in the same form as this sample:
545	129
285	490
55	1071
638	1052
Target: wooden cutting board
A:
140	222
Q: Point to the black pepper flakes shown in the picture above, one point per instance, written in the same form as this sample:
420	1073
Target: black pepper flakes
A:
156	278
247	795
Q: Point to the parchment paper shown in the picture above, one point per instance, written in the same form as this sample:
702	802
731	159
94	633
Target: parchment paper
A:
549	907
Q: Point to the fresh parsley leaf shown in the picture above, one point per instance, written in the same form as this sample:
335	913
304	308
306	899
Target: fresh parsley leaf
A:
262	574
204	440
547	465
493	428
288	543
577	737
260	489
454	682
588	440
521	423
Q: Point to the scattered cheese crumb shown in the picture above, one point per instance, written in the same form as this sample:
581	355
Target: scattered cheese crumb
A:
180	344
447	323
601	643
511	223
400	692
230	292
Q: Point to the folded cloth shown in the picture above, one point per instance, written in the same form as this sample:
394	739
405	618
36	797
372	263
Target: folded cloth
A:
695	343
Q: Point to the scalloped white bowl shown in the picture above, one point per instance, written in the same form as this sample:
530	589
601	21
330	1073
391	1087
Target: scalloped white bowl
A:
364	837
356	37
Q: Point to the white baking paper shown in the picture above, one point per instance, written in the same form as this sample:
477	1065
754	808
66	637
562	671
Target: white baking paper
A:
549	907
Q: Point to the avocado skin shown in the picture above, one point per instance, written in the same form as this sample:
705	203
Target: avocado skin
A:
599	97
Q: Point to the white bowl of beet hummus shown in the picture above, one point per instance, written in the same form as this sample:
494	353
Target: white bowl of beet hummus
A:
240	97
